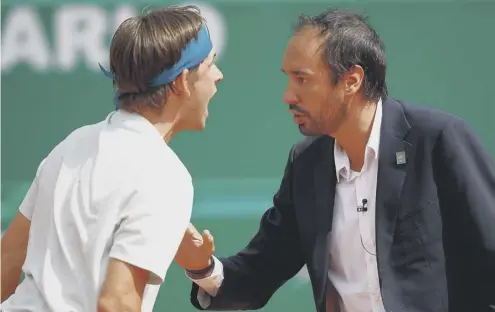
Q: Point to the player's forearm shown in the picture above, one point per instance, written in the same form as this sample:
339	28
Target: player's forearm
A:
11	274
14	249
127	303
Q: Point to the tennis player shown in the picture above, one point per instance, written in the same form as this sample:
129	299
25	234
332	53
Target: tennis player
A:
109	205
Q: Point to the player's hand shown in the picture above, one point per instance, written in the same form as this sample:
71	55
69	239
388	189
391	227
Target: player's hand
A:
195	250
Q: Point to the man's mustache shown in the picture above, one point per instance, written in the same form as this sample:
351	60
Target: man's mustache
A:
297	108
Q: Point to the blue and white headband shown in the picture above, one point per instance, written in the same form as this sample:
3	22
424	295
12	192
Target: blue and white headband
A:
195	52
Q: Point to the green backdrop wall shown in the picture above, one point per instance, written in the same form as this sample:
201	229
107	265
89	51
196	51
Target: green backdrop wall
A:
440	54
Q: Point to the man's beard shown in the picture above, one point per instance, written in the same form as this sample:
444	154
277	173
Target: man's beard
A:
311	128
324	125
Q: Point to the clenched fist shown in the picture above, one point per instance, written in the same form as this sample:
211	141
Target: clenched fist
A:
195	250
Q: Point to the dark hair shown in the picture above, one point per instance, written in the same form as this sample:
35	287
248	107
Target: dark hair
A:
145	45
350	41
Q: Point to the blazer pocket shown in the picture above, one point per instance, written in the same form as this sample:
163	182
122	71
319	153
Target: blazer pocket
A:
416	232
429	223
425	222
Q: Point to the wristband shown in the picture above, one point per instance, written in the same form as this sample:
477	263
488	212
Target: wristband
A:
198	274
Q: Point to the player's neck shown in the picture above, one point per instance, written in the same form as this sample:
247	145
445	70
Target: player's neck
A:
165	124
166	130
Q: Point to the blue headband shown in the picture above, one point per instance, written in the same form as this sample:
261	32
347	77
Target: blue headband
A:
191	56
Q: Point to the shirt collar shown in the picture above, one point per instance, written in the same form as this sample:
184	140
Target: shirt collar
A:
133	122
342	164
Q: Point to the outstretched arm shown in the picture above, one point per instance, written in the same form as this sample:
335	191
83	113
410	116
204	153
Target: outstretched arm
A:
248	279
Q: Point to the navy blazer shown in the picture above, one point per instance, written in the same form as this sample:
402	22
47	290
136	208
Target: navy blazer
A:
435	221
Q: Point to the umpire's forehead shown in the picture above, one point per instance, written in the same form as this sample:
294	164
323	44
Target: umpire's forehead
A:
304	50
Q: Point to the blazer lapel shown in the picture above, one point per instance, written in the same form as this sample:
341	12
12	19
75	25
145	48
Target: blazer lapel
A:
393	157
324	182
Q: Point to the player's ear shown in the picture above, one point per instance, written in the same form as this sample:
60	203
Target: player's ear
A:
181	84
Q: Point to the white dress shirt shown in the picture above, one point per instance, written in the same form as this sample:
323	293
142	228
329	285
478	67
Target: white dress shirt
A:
353	267
109	190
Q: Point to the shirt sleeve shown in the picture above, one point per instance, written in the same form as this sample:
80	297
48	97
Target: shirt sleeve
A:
29	201
153	222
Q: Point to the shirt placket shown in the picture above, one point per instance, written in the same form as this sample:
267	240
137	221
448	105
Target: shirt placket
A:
365	218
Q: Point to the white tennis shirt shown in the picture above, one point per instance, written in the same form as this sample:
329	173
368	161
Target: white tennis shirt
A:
109	190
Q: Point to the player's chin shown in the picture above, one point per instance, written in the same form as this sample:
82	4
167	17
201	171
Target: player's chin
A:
199	124
202	124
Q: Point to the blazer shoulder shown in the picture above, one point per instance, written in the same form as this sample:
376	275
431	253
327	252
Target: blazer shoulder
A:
308	144
427	120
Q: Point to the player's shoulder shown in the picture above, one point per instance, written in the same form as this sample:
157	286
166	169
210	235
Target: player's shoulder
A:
82	133
165	164
77	139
